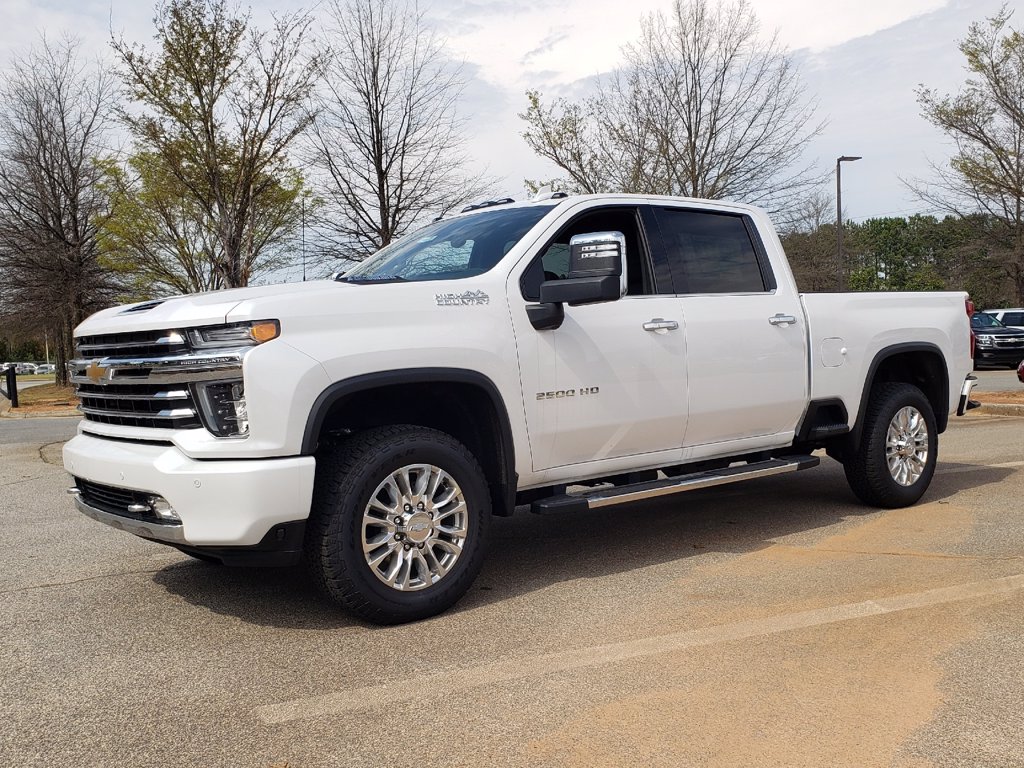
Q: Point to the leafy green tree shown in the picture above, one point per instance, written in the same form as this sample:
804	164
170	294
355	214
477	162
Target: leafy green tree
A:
985	121
894	254
216	109
163	240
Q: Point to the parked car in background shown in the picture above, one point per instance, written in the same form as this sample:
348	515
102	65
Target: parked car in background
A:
25	368
1013	318
995	344
46	368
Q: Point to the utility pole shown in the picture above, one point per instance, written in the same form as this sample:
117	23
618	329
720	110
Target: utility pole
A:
303	239
840	262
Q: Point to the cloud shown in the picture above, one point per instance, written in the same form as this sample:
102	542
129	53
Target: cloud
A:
819	25
548	44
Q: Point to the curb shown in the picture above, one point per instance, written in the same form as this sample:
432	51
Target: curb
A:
9	413
1002	409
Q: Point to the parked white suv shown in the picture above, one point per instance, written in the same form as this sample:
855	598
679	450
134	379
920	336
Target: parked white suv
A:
1013	318
567	354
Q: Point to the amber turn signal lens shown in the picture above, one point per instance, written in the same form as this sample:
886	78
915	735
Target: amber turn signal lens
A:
262	332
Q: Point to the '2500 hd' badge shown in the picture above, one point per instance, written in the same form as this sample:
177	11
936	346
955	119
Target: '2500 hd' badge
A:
561	394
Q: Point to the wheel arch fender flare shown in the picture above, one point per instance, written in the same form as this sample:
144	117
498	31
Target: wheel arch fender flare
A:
339	391
894	350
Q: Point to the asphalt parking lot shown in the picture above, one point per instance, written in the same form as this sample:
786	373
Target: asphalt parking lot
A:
776	623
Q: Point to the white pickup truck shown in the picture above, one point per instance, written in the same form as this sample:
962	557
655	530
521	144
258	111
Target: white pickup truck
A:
566	353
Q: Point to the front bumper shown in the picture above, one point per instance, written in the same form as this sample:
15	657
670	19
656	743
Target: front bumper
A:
996	356
231	503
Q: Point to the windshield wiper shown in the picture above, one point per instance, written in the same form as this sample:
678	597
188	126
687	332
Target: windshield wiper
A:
376	279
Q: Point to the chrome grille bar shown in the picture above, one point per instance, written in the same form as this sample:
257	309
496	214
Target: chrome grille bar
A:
172	413
176	394
174	338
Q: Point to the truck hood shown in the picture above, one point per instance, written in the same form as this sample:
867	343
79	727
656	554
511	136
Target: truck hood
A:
1000	333
196	309
320	303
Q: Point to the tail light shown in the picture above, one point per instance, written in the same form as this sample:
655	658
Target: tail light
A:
969	306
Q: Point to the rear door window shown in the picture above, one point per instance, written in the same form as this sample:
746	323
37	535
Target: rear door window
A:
712	252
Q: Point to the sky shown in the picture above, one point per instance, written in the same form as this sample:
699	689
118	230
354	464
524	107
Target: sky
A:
861	60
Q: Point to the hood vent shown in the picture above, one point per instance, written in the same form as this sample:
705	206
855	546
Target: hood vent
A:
143	307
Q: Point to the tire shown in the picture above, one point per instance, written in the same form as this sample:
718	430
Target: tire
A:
429	563
868	466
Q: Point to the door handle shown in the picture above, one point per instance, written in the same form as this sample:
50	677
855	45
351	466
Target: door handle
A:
658	324
781	319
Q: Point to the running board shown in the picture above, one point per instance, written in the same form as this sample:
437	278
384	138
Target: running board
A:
623	494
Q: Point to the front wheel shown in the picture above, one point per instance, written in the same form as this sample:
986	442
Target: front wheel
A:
894	463
399	522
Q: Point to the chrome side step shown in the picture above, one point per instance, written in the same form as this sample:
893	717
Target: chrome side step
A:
623	494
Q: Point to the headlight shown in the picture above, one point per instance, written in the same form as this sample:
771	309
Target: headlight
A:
222	406
234	334
984	340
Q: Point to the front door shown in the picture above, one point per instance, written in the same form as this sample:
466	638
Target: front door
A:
611	381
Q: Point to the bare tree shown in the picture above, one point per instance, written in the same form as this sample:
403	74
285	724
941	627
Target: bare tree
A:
701	107
219	106
985	120
809	239
55	116
388	137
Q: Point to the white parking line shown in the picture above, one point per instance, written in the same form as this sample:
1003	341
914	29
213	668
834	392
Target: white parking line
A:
444	683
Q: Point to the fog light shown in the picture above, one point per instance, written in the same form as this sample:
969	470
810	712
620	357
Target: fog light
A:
162	509
222	404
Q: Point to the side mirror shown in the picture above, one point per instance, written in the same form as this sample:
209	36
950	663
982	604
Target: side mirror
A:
598	254
595	271
595	275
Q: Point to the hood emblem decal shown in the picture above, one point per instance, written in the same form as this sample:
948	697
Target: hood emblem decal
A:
466	299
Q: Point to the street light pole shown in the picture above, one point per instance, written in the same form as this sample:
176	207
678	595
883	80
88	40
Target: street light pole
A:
840	263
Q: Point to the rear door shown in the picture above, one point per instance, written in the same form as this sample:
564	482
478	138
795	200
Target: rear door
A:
745	334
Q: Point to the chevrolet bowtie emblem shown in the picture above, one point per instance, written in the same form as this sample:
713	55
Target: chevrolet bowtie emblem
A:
96	372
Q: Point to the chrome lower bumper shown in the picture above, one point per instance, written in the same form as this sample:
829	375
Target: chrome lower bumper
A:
169	532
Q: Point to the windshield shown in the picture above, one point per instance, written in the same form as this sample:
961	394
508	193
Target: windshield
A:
450	249
983	320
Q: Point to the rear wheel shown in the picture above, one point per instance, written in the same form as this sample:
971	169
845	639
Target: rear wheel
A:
895	461
399	522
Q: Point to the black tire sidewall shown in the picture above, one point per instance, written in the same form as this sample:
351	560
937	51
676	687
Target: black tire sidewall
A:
884	489
346	526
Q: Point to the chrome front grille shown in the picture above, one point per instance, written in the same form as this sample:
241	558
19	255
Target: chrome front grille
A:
139	405
146	378
1010	342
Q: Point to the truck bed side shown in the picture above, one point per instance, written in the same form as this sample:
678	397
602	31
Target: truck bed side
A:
850	333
